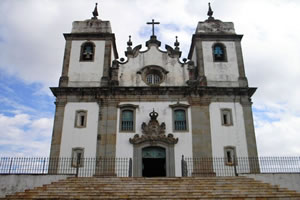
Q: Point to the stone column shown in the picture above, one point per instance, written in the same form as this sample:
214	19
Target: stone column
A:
201	135
56	136
106	142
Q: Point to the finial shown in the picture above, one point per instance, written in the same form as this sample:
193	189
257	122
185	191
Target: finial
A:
210	12
153	115
129	43
95	12
176	43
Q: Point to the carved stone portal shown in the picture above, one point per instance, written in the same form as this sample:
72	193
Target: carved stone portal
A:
153	132
153	136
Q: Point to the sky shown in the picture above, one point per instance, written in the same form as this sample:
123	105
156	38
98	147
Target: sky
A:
32	48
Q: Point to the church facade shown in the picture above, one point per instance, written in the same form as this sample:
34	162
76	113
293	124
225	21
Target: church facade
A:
153	107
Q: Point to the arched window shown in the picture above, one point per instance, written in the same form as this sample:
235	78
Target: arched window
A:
179	120
219	53
127	120
87	51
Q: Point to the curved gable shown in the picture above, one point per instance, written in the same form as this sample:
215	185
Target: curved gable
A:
164	65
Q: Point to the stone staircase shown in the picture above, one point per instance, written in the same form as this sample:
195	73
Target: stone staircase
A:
157	188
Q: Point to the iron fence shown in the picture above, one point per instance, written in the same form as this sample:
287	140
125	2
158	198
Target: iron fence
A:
240	165
121	167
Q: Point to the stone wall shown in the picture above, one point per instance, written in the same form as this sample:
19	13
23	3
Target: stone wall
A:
290	181
10	184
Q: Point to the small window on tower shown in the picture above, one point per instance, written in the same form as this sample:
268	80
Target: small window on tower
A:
226	117
219	53
80	118
230	155
77	157
87	51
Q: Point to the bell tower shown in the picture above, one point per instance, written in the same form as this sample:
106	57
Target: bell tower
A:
216	50
89	50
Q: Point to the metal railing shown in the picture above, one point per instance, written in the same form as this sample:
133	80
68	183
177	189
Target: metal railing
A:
121	167
239	165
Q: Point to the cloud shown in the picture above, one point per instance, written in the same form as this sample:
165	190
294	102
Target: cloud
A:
22	135
280	137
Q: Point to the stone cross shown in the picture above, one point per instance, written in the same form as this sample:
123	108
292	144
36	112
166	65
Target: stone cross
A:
153	23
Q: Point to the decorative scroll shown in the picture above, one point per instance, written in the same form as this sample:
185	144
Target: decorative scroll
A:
153	132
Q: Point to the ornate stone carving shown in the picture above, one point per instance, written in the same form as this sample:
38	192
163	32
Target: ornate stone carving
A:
153	132
153	127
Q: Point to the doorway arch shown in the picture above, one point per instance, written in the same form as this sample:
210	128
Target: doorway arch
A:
168	148
154	161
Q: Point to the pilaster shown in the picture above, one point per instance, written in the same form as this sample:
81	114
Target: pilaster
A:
243	82
200	63
250	137
106	63
56	135
201	135
64	79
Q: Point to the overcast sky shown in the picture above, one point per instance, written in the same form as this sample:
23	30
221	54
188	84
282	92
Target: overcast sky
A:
32	47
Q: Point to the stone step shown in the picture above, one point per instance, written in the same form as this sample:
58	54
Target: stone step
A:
157	188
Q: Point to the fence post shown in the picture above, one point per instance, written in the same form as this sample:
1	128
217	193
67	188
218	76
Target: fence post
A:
130	167
44	165
11	161
77	164
234	166
183	167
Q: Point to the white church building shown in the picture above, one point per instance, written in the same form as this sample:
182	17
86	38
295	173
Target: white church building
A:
153	106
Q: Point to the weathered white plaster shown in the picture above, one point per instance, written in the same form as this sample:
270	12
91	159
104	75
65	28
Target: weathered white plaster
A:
290	181
177	73
184	145
91	26
222	136
220	74
86	73
80	137
10	184
227	135
215	26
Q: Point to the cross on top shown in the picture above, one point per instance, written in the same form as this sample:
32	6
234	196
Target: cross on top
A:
153	23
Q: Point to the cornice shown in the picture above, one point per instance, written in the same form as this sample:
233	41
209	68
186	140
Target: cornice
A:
101	92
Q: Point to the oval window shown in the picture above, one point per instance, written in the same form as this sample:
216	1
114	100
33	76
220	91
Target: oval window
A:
153	79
